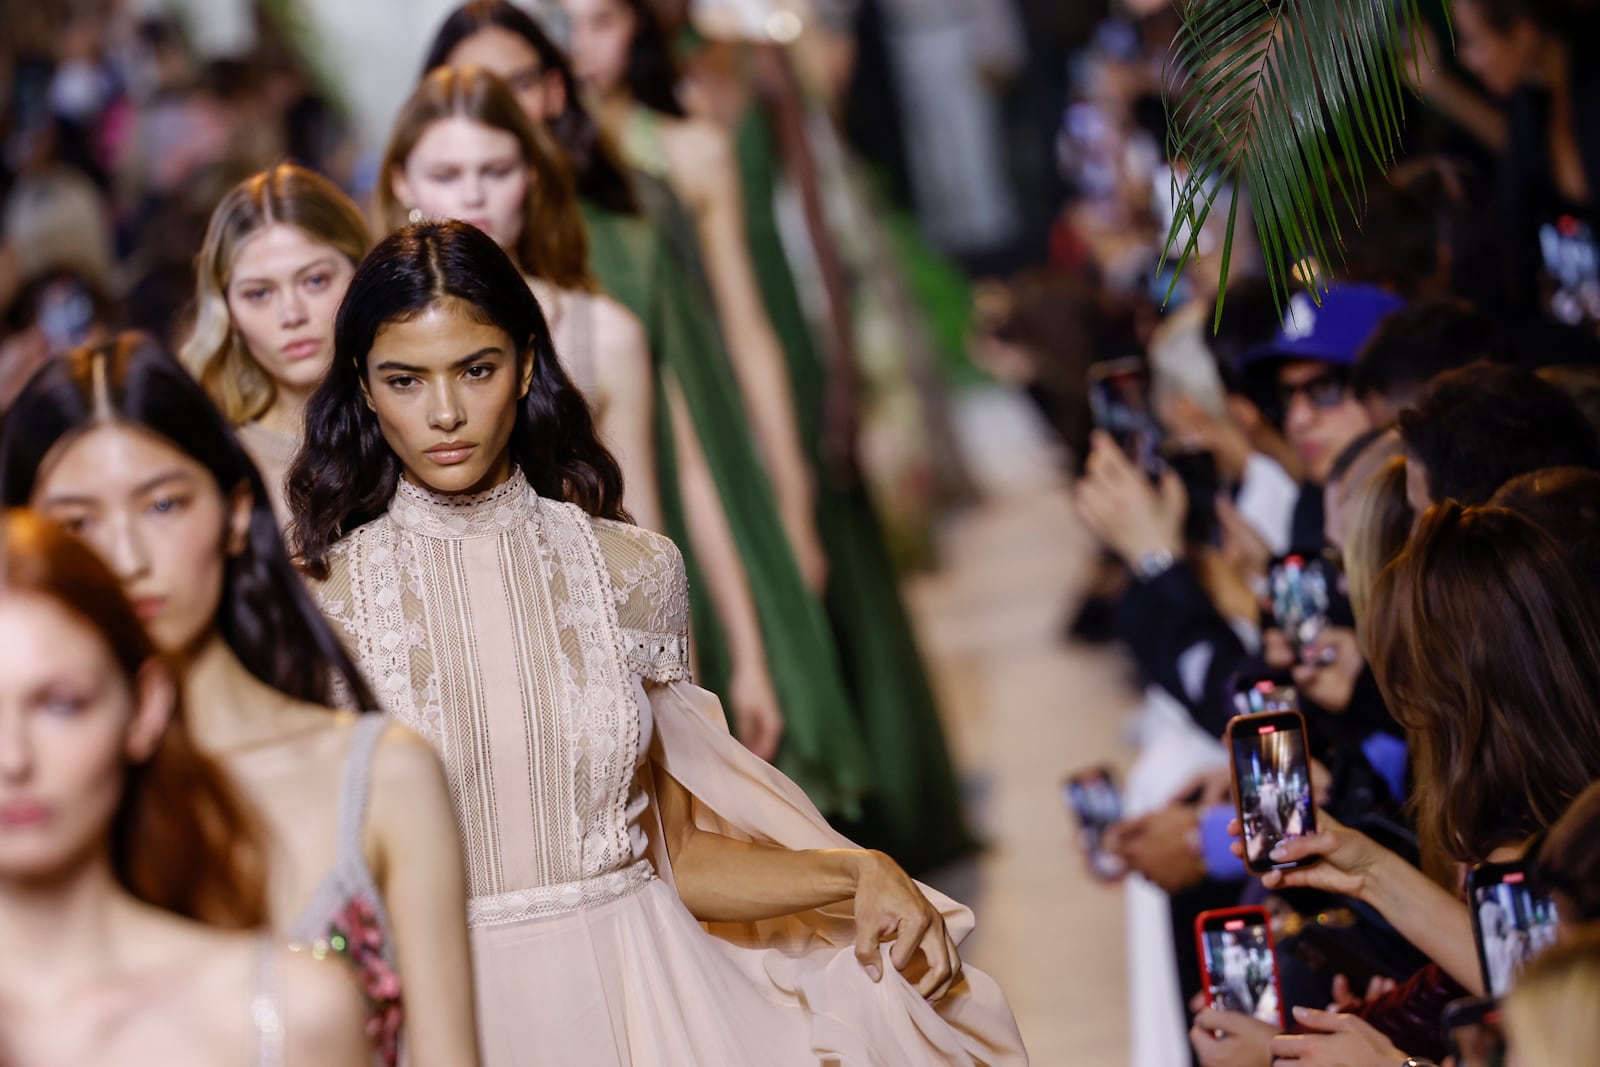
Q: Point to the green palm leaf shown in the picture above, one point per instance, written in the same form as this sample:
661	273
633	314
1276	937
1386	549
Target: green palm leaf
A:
1287	99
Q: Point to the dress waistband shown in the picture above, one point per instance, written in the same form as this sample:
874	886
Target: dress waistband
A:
520	904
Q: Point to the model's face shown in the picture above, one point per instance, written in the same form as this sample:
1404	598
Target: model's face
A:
156	517
514	61
602	36
445	388
70	723
462	169
283	294
1321	415
1499	59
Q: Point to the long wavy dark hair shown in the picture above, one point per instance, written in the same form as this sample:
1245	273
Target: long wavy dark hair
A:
600	178
182	838
346	473
1484	643
266	615
652	72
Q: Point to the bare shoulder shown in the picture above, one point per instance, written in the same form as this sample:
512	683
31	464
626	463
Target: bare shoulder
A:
702	155
407	779
617	329
322	1012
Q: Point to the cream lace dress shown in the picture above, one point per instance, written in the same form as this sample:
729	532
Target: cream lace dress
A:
544	654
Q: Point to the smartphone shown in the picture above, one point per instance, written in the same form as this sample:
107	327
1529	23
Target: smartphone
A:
1120	401
1473	1034
1093	798
1271	784
1572	270
1238	963
1513	919
1298	597
1258	693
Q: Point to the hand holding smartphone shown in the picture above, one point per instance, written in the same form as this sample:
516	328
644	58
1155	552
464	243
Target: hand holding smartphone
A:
1298	598
1093	798
1271	778
1120	402
1513	920
1238	962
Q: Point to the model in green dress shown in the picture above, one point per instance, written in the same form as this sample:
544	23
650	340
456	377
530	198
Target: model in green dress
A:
915	813
660	281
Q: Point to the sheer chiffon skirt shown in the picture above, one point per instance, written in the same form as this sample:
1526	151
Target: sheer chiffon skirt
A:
638	982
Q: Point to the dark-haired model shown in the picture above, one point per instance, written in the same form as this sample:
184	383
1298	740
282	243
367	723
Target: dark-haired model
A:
118	443
467	529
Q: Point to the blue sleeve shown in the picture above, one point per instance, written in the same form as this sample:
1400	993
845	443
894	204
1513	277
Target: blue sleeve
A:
1221	863
1387	755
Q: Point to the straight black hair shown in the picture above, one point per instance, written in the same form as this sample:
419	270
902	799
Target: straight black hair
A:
265	614
346	473
600	178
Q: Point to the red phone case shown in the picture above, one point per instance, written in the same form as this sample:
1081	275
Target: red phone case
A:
1255	912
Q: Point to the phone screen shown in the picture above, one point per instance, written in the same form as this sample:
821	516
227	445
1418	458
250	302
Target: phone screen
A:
1092	795
1119	400
1253	696
1241	972
1272	783
1298	590
1473	1034
1572	267
1514	920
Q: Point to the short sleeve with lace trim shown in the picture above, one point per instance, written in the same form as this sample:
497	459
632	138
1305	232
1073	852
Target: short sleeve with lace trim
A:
651	590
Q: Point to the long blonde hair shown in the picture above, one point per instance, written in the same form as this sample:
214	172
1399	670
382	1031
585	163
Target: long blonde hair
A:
1379	524
214	352
1553	1013
554	245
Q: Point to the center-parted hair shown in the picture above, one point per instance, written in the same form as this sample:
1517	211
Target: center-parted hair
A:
1485	645
180	839
346	473
600	177
554	245
287	195
266	616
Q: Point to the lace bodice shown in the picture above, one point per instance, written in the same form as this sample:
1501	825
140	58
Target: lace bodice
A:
513	633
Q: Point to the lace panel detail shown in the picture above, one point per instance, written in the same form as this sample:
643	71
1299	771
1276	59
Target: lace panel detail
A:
606	721
522	904
651	590
448	517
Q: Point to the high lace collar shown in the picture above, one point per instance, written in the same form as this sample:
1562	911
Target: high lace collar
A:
457	516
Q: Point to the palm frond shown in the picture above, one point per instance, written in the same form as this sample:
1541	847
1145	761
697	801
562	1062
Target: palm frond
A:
1285	99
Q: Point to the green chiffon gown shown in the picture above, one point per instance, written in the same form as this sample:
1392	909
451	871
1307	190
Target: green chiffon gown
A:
915	812
651	264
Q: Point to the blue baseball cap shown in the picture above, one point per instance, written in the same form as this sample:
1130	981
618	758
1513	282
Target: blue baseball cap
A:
1333	333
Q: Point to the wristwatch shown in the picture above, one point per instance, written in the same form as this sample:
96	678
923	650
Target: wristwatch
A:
1148	566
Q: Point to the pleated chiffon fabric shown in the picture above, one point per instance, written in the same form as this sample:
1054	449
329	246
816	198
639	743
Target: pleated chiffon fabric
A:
544	654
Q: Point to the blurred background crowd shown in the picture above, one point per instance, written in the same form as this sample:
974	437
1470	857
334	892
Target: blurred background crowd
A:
997	180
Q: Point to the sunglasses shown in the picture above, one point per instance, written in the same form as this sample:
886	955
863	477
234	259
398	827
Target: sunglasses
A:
1323	392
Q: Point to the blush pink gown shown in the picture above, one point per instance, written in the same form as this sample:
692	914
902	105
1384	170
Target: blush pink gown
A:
545	655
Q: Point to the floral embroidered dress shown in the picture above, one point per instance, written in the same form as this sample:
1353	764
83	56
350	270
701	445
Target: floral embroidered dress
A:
544	654
345	914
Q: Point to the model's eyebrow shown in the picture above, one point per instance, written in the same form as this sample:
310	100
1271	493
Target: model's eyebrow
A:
146	486
482	353
320	263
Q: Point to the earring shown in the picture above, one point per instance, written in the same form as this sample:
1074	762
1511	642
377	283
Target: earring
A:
415	216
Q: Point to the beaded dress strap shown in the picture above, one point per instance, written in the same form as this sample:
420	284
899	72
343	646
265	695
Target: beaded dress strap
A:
266	1007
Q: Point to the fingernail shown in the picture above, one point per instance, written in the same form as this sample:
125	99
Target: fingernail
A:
1277	852
1301	1012
873	972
